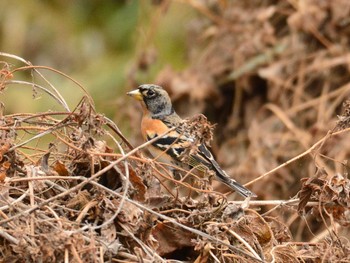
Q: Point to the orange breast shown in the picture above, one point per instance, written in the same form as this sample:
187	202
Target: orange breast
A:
151	127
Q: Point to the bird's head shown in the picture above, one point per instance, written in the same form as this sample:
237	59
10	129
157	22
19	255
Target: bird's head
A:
153	98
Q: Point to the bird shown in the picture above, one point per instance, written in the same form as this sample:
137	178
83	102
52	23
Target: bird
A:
159	117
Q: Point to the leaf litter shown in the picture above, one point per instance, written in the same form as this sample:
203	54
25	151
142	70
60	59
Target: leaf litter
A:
73	189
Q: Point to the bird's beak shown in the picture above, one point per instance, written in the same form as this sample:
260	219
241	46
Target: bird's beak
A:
136	94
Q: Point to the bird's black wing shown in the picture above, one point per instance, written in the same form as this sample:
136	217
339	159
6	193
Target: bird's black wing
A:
175	143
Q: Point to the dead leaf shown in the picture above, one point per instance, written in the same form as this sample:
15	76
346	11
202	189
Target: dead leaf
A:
205	254
311	186
171	238
281	232
60	168
282	253
4	166
139	192
260	228
108	231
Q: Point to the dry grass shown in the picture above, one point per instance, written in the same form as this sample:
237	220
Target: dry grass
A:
71	197
73	189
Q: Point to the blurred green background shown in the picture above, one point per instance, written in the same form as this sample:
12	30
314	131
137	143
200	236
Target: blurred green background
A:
98	43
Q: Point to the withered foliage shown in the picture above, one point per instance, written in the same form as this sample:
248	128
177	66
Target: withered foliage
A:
273	75
200	130
344	119
331	192
73	188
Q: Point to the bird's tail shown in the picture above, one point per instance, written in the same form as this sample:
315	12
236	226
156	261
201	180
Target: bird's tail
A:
223	177
205	157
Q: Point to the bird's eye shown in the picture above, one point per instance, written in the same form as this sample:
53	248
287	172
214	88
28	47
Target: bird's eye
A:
151	93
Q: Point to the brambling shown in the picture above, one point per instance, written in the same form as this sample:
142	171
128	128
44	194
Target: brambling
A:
159	117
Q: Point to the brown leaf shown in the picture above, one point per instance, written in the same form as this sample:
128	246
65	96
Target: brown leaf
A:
79	200
111	178
259	227
108	232
130	213
204	255
284	254
3	170
171	238
139	187
344	119
280	231
309	187
2	175
60	168
3	149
